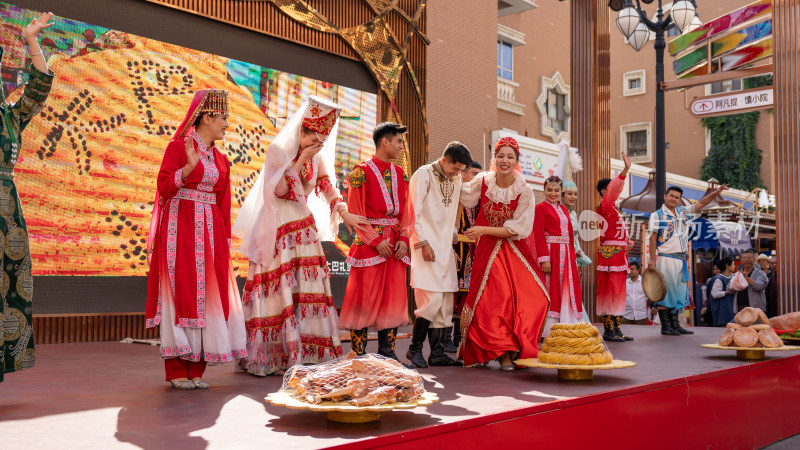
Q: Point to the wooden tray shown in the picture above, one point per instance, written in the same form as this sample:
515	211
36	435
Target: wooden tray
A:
344	411
575	372
751	353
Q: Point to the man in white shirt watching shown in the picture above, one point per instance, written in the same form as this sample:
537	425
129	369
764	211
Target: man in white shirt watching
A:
635	300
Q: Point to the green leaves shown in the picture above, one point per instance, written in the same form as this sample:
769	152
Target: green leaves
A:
733	157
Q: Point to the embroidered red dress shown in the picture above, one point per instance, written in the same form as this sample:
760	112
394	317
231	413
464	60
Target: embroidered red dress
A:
191	288
507	303
376	293
289	310
554	239
612	260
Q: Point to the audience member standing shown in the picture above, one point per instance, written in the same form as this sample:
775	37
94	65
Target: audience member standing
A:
635	300
757	283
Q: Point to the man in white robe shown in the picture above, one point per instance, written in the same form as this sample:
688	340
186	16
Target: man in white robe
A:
433	193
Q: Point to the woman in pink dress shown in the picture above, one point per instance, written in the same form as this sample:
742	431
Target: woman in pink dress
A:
191	290
505	310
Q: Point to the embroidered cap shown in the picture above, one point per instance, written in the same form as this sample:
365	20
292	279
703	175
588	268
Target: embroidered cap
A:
507	142
216	102
320	115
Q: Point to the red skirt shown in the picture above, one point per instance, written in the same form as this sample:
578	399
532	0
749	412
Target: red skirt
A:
611	290
612	275
507	313
376	297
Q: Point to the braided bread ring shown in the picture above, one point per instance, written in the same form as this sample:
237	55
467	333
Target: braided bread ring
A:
577	333
560	341
574	326
583	349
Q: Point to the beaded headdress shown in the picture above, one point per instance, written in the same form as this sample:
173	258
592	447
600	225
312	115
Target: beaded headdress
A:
213	101
216	102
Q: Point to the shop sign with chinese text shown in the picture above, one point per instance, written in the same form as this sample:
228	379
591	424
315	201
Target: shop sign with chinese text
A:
732	102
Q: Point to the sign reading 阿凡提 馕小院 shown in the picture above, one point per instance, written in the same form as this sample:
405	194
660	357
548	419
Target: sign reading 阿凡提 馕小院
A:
732	102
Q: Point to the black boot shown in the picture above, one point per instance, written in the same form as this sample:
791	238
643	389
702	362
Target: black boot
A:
386	341
457	332
438	356
666	326
618	330
449	345
358	341
676	323
609	334
414	353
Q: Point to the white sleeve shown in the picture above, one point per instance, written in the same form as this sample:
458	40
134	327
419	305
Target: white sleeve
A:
418	188
716	289
652	225
521	224
471	192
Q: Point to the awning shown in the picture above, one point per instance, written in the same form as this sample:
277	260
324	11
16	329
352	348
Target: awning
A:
733	238
703	235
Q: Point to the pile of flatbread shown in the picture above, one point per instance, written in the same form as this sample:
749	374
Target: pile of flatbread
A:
750	329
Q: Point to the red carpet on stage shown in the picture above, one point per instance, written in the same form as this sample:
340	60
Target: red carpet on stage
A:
679	396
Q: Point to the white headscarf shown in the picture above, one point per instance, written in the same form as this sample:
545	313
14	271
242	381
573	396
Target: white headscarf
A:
256	224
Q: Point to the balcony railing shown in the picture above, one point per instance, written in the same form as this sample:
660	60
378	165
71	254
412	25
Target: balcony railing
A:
506	99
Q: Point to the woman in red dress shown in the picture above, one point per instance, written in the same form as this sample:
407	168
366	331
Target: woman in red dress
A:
505	310
555	251
191	289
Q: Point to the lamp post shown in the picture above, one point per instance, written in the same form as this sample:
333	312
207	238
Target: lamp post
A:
634	24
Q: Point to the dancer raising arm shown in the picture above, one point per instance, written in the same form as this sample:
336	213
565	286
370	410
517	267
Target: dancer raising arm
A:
16	347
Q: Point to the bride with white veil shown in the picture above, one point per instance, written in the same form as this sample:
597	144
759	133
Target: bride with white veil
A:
289	311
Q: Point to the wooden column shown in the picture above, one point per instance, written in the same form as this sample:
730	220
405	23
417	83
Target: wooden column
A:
590	77
786	36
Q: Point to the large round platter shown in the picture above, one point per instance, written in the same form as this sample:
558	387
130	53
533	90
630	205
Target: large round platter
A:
344	411
752	353
575	372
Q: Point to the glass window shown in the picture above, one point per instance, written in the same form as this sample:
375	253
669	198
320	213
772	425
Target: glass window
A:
556	111
634	83
505	60
637	143
726	86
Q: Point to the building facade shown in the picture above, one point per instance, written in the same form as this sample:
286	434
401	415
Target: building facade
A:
633	105
530	45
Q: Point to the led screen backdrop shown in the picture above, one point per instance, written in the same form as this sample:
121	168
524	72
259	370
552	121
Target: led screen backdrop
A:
87	170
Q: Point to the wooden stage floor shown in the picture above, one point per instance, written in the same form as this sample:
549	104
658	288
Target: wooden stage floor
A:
112	395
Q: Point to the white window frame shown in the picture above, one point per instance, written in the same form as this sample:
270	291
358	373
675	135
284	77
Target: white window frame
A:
633	75
623	140
501	43
556	82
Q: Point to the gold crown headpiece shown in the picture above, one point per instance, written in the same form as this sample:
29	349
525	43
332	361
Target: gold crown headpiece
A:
216	102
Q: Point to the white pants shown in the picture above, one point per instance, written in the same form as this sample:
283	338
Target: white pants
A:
436	307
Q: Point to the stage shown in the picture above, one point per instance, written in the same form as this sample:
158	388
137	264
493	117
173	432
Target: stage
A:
112	395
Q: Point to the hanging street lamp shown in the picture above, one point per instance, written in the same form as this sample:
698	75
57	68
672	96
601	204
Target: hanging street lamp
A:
634	24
